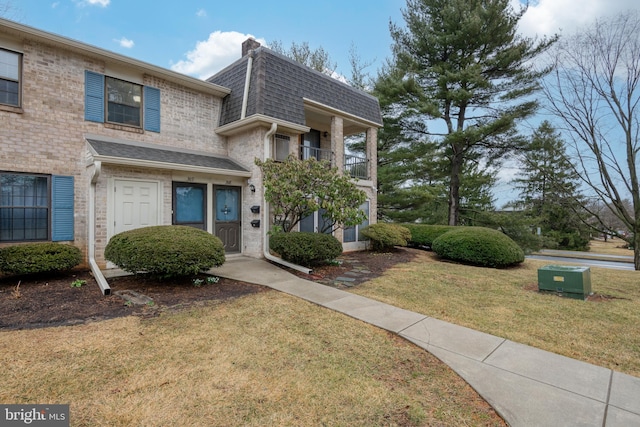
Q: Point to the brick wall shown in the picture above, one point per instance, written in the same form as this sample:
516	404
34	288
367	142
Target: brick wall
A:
47	136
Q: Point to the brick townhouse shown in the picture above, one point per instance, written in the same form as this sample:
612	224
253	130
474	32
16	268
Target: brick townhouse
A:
93	143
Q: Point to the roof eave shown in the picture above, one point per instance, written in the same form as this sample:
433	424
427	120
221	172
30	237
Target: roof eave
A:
124	161
323	108
254	120
173	76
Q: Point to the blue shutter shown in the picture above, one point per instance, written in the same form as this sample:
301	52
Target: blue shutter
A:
151	109
61	208
93	96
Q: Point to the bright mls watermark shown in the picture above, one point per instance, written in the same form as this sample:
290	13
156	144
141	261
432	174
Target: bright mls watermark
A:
34	415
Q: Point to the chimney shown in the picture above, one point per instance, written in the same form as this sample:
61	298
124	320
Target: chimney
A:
248	45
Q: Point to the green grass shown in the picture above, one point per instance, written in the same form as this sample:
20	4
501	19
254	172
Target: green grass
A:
264	359
501	302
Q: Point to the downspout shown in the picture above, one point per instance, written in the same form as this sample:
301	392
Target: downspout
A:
97	274
247	79
265	213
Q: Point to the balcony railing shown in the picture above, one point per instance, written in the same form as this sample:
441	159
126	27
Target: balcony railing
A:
356	167
307	152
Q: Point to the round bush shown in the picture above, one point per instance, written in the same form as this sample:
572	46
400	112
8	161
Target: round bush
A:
478	246
425	234
305	248
384	236
165	250
33	258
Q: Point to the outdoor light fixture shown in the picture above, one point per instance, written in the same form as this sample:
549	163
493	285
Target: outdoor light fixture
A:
255	209
255	223
252	188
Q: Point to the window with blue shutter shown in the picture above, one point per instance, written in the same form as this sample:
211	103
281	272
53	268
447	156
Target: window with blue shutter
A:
93	96
151	109
61	208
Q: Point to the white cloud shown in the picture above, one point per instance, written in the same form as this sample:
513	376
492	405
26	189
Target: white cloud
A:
101	3
201	13
125	42
213	54
547	17
55	4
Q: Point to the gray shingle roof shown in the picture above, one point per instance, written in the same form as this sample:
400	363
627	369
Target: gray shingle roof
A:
278	86
146	153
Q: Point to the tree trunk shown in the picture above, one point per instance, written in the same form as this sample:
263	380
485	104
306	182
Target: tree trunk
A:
454	190
636	251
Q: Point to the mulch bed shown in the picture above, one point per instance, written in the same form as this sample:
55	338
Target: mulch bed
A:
43	301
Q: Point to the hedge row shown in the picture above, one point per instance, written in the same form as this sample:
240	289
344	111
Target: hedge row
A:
424	234
165	250
305	248
478	246
34	258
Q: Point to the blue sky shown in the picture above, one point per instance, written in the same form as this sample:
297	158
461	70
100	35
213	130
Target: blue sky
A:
199	38
165	33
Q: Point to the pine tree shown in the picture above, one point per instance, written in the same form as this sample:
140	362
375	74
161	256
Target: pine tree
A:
549	190
462	63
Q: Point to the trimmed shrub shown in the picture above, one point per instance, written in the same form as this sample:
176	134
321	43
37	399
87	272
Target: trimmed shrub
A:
305	248
165	250
384	236
33	258
425	234
478	246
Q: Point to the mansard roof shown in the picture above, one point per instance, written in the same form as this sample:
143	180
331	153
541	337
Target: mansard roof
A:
279	88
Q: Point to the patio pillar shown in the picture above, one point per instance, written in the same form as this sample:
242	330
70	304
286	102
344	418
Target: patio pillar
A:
372	155
337	146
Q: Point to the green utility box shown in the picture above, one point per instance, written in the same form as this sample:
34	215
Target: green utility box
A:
566	281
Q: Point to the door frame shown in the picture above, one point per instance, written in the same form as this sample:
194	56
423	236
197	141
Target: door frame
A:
111	206
239	188
111	201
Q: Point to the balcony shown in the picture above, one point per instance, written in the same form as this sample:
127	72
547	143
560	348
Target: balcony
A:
307	152
356	166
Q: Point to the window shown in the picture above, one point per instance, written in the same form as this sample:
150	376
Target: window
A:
36	207
280	147
316	223
189	204
124	101
352	234
10	78
112	100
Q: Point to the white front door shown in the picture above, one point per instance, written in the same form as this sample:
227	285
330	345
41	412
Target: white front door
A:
136	205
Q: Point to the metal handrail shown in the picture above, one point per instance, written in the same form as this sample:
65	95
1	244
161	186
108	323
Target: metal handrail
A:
356	166
307	152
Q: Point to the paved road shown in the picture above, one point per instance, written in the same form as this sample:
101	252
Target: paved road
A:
618	265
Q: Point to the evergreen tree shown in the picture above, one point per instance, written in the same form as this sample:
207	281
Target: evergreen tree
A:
549	190
461	62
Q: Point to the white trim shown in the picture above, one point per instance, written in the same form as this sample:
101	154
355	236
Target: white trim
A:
172	166
238	126
115	160
323	108
166	74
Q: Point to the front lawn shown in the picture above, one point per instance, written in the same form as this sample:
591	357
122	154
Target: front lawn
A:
505	303
265	359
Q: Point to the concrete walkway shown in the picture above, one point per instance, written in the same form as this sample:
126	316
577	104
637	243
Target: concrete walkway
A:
525	385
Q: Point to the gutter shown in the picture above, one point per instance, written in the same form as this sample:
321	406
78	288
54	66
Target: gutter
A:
265	214
247	79
95	270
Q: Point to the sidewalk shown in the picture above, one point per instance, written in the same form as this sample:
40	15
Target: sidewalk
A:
525	385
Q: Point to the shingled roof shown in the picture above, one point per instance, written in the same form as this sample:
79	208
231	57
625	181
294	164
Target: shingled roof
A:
141	153
278	86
